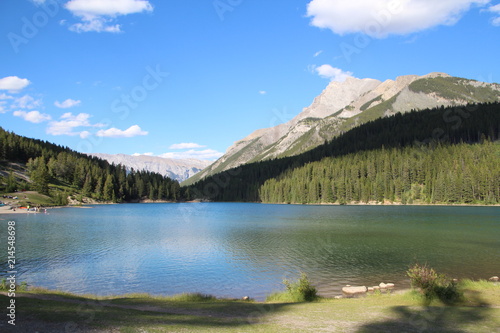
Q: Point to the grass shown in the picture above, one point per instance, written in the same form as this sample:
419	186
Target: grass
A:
396	312
33	198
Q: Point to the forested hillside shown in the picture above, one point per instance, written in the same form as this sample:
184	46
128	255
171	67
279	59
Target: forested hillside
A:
60	172
442	155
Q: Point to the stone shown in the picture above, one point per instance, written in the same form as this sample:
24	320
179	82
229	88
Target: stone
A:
382	285
370	289
351	291
390	285
376	288
338	297
246	298
493	279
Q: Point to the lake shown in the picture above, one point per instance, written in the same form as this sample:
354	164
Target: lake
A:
240	249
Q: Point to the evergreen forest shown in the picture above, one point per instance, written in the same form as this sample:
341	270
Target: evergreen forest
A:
60	172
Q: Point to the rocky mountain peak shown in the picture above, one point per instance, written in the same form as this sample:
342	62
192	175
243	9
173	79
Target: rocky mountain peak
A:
343	105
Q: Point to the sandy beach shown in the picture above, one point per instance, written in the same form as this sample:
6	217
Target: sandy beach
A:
7	210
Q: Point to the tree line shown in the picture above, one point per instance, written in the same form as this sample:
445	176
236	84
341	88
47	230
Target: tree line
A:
427	132
52	167
447	174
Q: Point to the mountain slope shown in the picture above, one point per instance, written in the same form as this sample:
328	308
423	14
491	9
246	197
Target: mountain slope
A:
342	106
178	169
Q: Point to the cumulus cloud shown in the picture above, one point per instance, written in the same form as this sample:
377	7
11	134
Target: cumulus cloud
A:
84	134
385	17
99	16
206	154
130	132
332	73
26	102
69	103
13	83
69	122
496	10
33	116
190	145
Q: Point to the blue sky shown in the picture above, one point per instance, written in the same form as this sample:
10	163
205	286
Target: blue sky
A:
188	78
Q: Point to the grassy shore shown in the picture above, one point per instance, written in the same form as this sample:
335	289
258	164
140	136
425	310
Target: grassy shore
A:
49	311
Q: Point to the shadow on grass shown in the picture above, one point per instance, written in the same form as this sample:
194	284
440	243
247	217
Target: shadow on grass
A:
442	319
72	315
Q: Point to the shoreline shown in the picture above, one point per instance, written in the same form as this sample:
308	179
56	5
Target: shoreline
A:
7	209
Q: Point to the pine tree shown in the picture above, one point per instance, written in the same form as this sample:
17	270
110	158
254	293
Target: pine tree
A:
109	189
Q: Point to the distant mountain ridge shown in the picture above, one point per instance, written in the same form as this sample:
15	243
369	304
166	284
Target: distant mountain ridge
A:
177	169
344	105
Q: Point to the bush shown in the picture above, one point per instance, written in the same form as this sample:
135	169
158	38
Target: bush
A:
193	297
5	285
299	291
433	285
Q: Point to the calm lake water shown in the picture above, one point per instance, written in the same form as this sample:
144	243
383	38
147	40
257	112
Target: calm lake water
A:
238	249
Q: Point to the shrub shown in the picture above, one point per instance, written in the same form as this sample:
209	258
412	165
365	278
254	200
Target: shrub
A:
433	285
5	285
299	291
193	297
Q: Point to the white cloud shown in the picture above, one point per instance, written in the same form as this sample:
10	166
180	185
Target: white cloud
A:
84	134
332	73
317	53
99	15
206	154
382	18
13	83
145	154
69	103
190	145
32	116
96	24
496	10
2	108
130	132
262	92
69	122
26	102
5	96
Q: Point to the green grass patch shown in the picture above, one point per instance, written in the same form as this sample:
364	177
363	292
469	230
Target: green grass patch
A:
395	312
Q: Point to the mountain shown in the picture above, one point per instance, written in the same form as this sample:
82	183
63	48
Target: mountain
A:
344	105
177	169
440	155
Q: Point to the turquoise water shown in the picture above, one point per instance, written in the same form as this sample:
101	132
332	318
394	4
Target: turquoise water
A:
238	249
